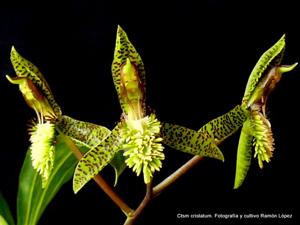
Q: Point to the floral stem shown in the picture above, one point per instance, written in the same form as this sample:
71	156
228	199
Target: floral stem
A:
148	197
176	175
151	192
113	195
99	180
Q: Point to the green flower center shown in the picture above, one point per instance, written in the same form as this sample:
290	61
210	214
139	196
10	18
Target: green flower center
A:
42	149
143	148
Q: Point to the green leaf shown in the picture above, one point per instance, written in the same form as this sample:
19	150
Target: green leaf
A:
244	154
5	213
3	221
97	158
125	50
119	165
32	199
272	57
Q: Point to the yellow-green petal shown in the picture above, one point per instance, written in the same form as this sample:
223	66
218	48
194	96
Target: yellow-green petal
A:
205	141
272	57
97	158
26	69
33	97
83	133
125	52
244	155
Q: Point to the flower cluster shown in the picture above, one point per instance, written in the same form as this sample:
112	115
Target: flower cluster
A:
143	148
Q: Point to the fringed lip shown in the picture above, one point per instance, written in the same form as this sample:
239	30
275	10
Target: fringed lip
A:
263	138
42	149
143	148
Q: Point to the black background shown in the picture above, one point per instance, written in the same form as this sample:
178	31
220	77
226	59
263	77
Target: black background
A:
198	56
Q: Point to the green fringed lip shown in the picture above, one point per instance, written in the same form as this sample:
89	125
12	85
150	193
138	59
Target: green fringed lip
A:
144	151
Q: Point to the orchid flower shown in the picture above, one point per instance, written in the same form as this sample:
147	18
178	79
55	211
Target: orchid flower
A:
138	135
39	97
256	128
256	131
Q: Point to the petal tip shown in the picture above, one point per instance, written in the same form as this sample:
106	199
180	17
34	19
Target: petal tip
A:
13	49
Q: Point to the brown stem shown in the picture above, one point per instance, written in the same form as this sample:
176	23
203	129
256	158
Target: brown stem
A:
113	195
148	197
179	172
176	175
99	180
154	192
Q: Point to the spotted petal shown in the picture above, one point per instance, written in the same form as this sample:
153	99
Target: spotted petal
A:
26	69
83	133
205	141
190	141
90	135
97	158
272	57
124	51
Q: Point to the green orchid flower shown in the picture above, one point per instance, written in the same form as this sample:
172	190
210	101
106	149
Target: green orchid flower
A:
34	88
38	96
256	130
139	136
50	121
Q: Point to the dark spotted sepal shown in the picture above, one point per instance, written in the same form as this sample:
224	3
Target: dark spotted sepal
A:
97	158
82	133
90	135
128	73
33	86
205	141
